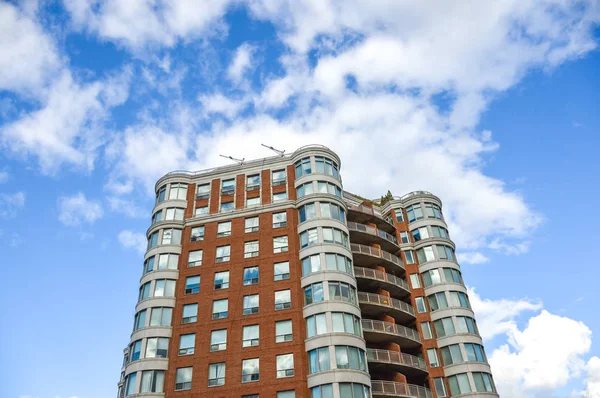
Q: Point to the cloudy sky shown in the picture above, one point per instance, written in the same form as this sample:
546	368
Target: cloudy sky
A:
492	105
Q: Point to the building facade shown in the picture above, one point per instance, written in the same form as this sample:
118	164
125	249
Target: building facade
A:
267	279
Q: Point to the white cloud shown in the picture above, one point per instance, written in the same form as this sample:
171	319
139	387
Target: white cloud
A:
126	206
592	380
472	258
241	62
11	204
220	104
76	209
3	177
133	240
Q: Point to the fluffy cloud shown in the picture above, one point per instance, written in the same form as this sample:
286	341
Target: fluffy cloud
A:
10	204
241	62
135	240
472	258
592	380
76	209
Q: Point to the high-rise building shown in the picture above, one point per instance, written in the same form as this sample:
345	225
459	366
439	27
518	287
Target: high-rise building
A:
267	279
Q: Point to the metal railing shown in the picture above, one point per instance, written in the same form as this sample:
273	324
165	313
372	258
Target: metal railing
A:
372	211
373	298
370	325
414	193
394	357
397	389
353	226
380	276
373	251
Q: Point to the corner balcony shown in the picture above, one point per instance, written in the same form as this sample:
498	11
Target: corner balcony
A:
364	214
382	388
370	279
384	332
367	256
361	233
375	305
406	364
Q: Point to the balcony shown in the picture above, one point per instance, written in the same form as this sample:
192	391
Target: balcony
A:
403	363
375	305
382	332
369	235
381	388
364	214
367	256
369	279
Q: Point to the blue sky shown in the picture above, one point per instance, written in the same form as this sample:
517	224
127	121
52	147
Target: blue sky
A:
491	105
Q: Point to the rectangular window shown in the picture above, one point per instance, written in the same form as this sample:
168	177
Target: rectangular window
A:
425	254
433	211
201	211
149	265
224	229
135	350
228	187
280	244
251	249
139	320
153	381
281	270
439	232
404	237
313	293
408	255
440	388
221	280
187	342
451	354
161	316
250	276
444	327
190	313
203	191
192	284
415	281
174	213
160	196
178	191
168	261
218	340
307	212
250	202
318	360
197	234
278	177
152	240
459	384
171	236
326	391
433	358
157	347
399	216
250	304
315	325
223	254
432	277
285	365
475	353
164	288
420	305
414	213
452	276
420	233
305	189
303	167
311	264
250	336
250	370
216	374
279	219
286	394
251	224
283	331
278	197
466	325
227	207
337	262
483	382
283	300
253	182
144	291
220	309
183	379
195	258
426	330
437	301
342	291
345	323
459	299
130	384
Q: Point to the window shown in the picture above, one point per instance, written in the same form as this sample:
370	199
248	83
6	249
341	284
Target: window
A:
334	235
251	396
303	167
432	277
203	191
130	384
305	189
250	337
330	210
433	358
308	238
278	177
167	261
399	216
483	382
437	301
307	212
224	229
140	320
221	280
153	381
466	325
433	211
414	213
171	236
250	304
318	360
279	219
337	262
283	300
286	394
218	340
415	281
322	391
445	252
420	233
327	187
149	265
197	234
220	309
216	374
227	207
201	211
475	353
439	232
459	299
440	388
348	357
161	316
452	275
251	249
313	293
252	182
408	255
164	288
192	284
420	303
152	240
195	258
157	217
311	264
160	196
183	379
326	166
425	254
283	331
250	370
144	291
250	276
315	325
444	327
190	313
280	244
285	365
178	191
459	384
223	254
345	323
228	187
404	237
135	350
281	270
251	224
277	197
342	291
253	202
187	343
451	354
174	213
426	330
157	347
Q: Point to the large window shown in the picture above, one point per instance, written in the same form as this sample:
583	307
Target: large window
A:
223	254
452	275
283	331
281	270
279	219
307	212
224	229
451	354
218	340
334	235
459	384
174	213
399	216
318	360
160	196
190	313
313	293
433	211
439	232
425	254
250	336
437	301
459	299
326	166
280	244
227	207
303	167
309	237
152	240
144	291
250	276
345	323
203	191
157	347
348	357
354	390
140	320
315	325
475	353
220	309
153	381
164	288
253	202
426	330
440	387
433	357
130	384
251	224
285	365
311	264
135	350
178	191
167	261
187	343
322	391
278	197
183	379
465	324
197	234
444	327
432	277
192	284
251	249
283	300
221	280
305	189
228	187
337	262
342	291
409	257
483	382
404	237
415	281
195	258
327	187
216	374
330	210
171	236
161	316
414	213
250	304
252	182
278	177
201	211
420	303
445	252
250	370
420	233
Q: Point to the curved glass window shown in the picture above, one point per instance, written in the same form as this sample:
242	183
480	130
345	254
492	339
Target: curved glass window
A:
318	360
303	167
348	357
327	187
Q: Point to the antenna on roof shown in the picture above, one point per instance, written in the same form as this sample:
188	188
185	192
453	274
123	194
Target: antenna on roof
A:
277	151
239	161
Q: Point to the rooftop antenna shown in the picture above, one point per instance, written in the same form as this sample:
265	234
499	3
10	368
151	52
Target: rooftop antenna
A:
277	151
238	161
